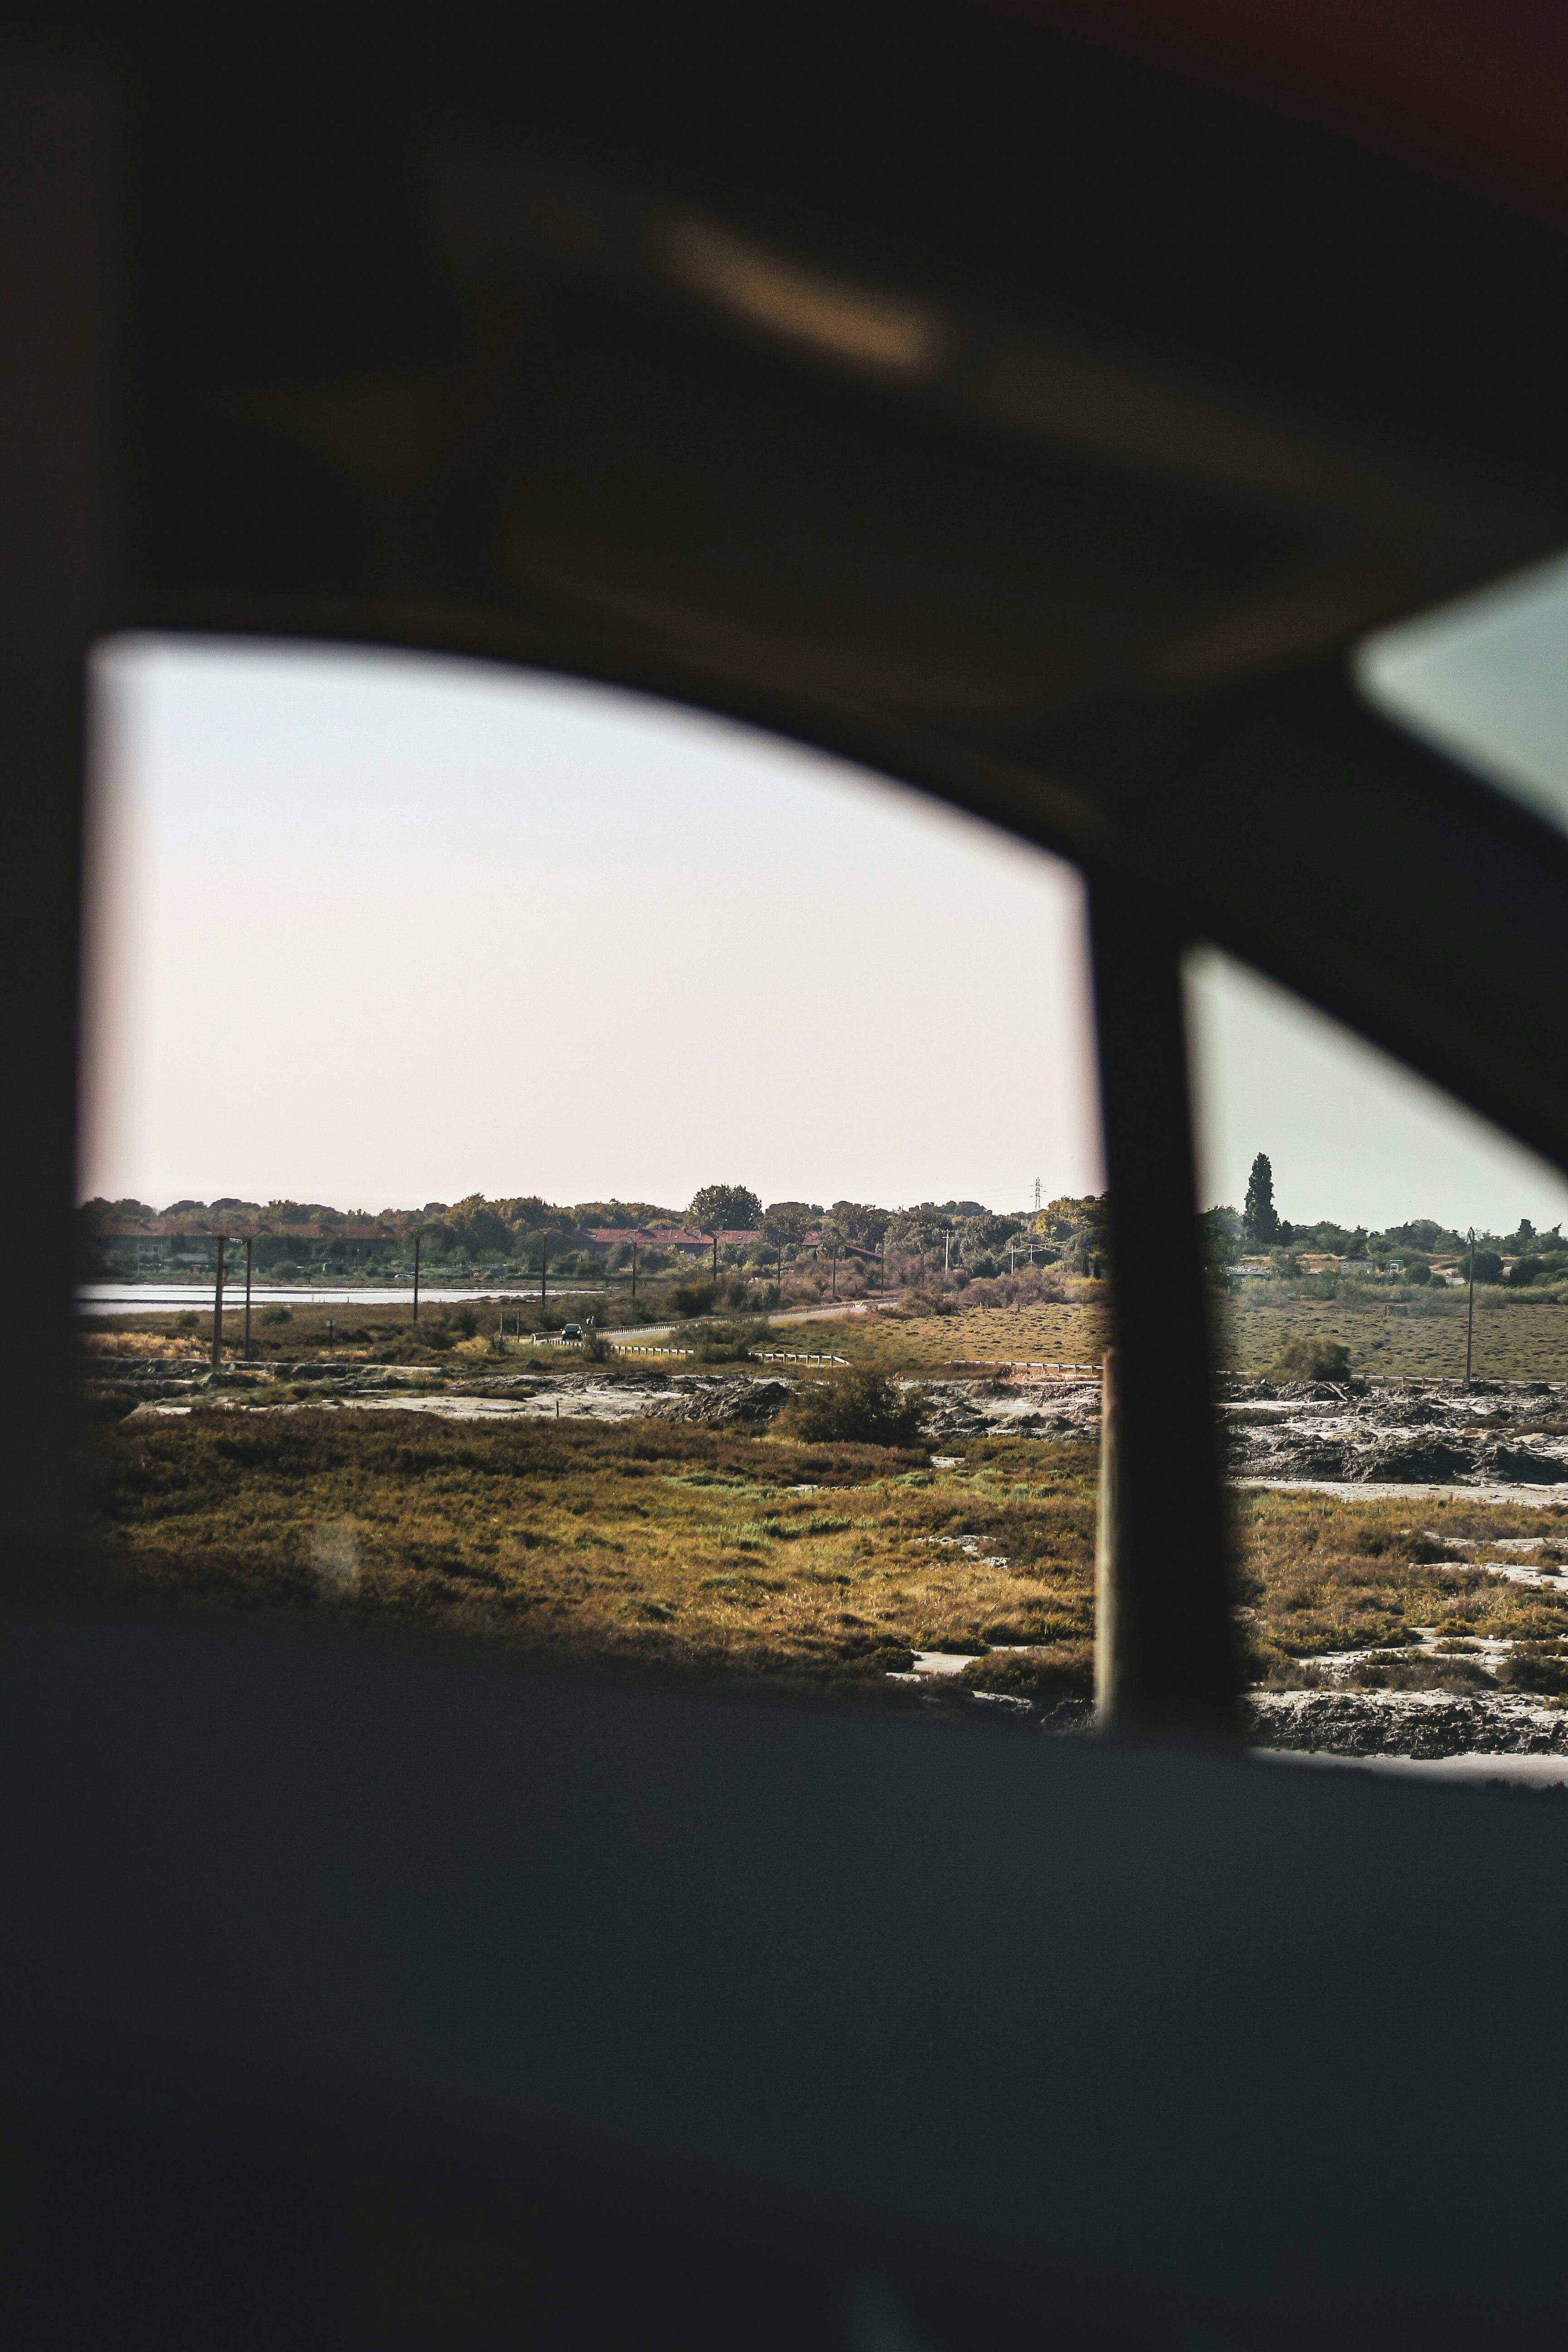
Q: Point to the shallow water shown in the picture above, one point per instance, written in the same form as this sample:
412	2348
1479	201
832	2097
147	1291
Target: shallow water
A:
158	1298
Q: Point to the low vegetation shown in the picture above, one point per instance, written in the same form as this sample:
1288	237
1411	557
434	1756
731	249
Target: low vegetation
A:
652	1544
911	1344
1394	1334
1318	1576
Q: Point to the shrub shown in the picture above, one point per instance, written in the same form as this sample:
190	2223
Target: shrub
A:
1064	1670
436	1332
185	1322
286	1269
926	1302
861	1408
278	1315
693	1298
1308	1358
1457	1675
1530	1668
465	1321
1418	1274
595	1347
728	1343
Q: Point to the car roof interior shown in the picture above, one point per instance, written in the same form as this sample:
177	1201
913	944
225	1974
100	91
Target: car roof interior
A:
1038	406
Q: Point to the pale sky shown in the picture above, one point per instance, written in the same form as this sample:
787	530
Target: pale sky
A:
1352	1136
374	930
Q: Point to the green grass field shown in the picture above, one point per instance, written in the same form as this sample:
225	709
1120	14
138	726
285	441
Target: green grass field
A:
1515	1339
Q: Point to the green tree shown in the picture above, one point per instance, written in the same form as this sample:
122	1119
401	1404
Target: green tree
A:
787	1223
1261	1217
861	1223
724	1208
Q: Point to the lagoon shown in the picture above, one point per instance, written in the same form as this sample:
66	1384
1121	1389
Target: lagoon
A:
159	1297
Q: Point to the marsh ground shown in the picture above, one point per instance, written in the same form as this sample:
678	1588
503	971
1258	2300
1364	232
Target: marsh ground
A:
655	1544
673	1548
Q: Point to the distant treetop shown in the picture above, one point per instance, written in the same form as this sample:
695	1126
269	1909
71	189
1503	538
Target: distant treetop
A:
724	1208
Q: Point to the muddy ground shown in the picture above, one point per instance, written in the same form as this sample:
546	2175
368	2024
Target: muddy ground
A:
1348	1437
958	1409
1493	1434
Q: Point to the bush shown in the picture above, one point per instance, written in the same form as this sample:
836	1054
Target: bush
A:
465	1321
1535	1269
185	1322
1452	1674
278	1315
595	1347
693	1298
1312	1359
728	1343
1532	1668
286	1269
858	1409
436	1332
1418	1274
1064	1670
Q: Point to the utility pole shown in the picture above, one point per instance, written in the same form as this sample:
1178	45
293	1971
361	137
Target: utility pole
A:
715	1252
217	1309
249	1253
634	1269
947	1250
418	1239
543	1268
1471	1319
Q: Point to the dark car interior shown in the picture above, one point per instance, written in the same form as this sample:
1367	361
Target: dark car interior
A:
1037	406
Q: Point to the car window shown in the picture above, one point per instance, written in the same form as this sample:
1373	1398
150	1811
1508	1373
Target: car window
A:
1486	681
655	1170
1388	1277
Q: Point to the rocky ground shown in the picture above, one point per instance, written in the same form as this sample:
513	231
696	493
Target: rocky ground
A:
1425	1723
1493	1434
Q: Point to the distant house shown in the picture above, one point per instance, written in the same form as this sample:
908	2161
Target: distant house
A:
1357	1265
1320	1264
676	1237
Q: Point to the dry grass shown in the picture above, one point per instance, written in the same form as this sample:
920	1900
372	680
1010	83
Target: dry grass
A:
672	1548
1409	1336
648	1543
1317	1575
1073	1332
